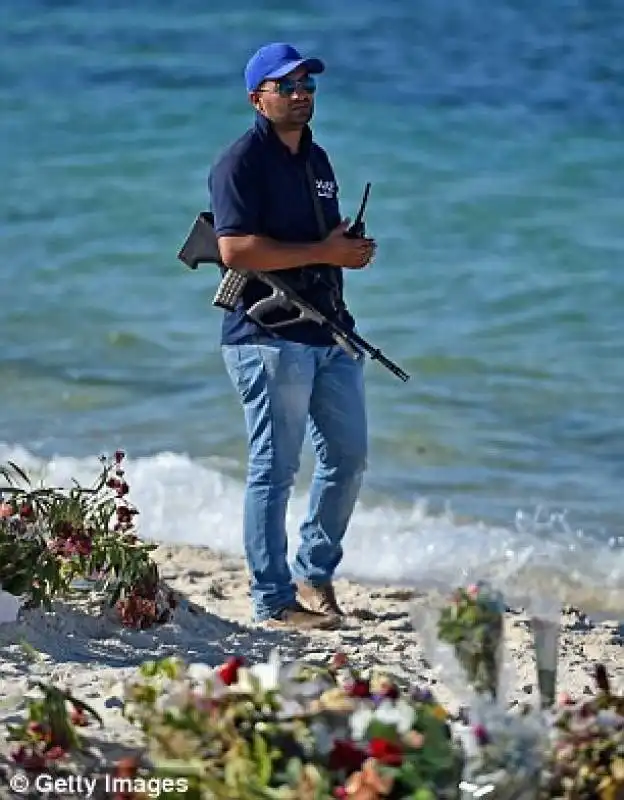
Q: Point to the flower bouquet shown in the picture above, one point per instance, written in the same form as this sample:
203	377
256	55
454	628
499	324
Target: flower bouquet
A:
586	755
472	623
53	541
293	732
504	752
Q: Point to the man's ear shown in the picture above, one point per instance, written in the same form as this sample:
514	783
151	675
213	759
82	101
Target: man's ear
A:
255	98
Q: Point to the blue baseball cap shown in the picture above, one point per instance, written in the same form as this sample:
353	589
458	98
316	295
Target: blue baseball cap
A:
276	60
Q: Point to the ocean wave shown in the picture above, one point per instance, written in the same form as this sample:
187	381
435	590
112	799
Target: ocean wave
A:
188	502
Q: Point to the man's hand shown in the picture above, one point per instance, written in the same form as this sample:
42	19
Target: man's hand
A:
339	251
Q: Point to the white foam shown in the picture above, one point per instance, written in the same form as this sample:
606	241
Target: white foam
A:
184	502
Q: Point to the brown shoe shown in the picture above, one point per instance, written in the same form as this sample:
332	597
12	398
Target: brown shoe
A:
299	618
321	598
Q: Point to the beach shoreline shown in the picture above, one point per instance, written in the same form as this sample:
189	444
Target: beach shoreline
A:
91	654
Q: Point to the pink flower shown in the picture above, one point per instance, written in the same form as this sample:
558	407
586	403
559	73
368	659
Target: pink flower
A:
55	753
414	739
339	660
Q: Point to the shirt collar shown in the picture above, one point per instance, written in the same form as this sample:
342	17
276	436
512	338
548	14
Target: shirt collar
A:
265	130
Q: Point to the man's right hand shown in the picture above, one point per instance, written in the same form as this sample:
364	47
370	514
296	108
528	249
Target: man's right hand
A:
340	251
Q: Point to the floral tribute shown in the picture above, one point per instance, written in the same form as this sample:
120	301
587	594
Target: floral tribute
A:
51	731
587	746
50	539
472	622
294	732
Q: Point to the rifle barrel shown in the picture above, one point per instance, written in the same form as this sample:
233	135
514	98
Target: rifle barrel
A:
376	355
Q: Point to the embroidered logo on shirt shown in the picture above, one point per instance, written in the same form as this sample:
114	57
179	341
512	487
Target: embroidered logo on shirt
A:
326	189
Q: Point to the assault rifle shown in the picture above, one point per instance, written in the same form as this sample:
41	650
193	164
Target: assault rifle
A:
201	247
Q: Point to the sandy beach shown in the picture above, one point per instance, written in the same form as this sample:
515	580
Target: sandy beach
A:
90	653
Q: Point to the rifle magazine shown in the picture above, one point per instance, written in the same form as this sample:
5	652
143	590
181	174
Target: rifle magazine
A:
229	290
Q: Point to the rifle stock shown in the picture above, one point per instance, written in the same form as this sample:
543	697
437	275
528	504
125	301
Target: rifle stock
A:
202	247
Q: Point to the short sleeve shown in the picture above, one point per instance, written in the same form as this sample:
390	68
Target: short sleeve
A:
235	197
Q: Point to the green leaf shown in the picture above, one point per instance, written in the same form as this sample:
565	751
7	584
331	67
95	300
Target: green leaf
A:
263	759
424	794
376	729
294	770
20	472
30	652
193	767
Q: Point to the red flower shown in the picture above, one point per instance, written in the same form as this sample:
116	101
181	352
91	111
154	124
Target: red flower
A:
228	672
83	547
54	753
391	691
481	734
79	718
359	688
19	754
346	755
385	751
36	729
125	514
28	760
26	511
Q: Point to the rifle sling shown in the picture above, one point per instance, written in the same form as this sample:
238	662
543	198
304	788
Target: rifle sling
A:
331	281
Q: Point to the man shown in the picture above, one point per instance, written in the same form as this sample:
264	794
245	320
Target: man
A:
275	205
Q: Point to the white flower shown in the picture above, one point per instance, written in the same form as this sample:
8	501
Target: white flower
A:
359	722
172	699
397	713
200	673
268	675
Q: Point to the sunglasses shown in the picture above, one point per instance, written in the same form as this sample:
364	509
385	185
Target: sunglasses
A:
285	87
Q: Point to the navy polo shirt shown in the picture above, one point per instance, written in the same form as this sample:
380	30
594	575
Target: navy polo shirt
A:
259	187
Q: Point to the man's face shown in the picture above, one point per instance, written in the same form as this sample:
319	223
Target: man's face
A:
287	102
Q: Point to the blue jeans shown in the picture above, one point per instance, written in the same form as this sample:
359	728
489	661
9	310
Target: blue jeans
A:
283	386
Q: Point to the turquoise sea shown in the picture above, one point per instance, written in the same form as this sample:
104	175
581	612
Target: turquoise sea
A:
493	135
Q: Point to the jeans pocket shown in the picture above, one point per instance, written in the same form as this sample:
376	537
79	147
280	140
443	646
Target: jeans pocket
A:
241	367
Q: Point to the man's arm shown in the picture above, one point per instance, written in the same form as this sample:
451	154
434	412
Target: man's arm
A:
249	252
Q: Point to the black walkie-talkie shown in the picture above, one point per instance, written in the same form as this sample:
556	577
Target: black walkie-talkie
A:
358	229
